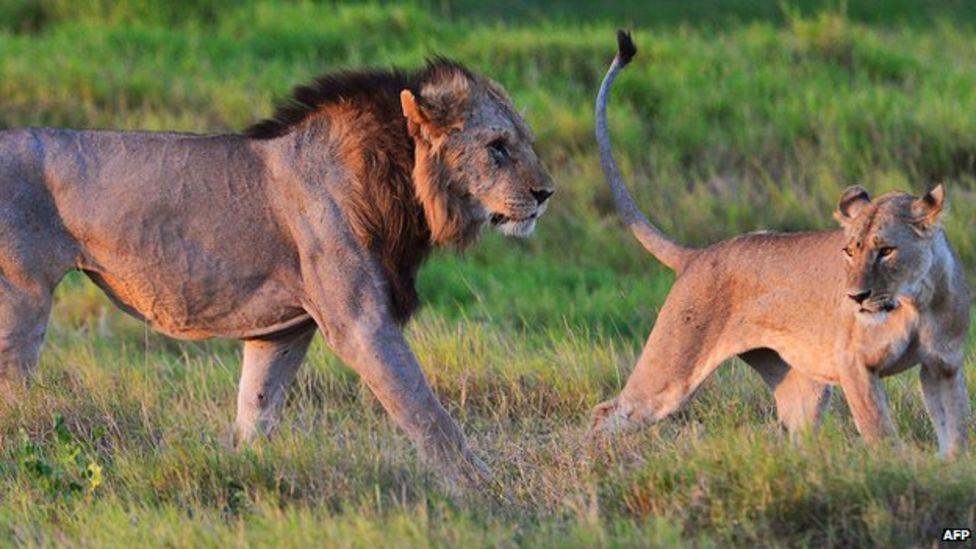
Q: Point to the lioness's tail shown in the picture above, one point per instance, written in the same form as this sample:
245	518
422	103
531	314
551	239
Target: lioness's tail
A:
663	248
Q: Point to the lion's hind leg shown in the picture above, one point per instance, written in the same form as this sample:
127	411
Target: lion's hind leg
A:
35	254
268	368
800	400
24	312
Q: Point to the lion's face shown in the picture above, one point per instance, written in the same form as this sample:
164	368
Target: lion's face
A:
475	161
888	246
494	158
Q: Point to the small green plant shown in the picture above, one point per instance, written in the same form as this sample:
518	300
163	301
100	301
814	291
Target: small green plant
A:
65	470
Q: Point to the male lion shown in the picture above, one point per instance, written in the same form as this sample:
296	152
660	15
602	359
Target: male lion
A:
317	217
806	310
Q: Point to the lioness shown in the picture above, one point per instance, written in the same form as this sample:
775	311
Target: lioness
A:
806	310
317	217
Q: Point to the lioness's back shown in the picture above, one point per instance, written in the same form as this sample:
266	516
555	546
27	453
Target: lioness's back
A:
807	259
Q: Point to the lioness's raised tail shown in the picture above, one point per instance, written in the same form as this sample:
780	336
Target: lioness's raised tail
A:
663	248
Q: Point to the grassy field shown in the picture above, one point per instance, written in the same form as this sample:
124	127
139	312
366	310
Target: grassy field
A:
734	117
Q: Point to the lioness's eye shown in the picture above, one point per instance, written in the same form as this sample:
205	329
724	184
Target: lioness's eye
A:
498	150
848	252
885	251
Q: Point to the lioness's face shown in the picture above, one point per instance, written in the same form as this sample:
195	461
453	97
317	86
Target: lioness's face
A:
888	246
494	158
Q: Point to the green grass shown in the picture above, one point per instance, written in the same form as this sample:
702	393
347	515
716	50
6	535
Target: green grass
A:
734	117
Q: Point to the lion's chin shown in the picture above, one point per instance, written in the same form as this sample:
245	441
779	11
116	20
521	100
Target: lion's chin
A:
521	228
516	227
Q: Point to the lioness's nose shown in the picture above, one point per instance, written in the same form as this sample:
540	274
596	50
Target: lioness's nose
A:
859	296
541	195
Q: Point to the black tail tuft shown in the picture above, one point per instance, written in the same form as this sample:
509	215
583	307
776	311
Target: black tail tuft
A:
625	47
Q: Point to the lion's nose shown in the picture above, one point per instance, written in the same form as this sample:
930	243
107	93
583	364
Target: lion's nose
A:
859	295
541	195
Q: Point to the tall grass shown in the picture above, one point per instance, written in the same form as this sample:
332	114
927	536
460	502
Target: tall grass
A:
732	118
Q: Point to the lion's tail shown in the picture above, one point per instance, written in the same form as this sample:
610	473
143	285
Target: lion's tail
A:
663	248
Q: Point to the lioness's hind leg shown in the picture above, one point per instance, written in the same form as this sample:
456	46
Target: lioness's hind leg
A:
650	400
24	314
800	400
946	401
268	368
684	348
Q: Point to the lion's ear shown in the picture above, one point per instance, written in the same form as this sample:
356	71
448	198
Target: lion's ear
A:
851	202
927	211
438	109
416	119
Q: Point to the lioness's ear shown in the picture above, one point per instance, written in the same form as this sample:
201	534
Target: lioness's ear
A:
852	201
927	211
440	106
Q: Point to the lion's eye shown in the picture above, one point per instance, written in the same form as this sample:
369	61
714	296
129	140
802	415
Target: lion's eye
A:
885	251
848	252
499	151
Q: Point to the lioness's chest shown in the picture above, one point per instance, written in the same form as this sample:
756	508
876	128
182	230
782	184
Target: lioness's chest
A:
888	342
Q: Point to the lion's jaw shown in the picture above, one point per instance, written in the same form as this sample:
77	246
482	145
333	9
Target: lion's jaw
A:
521	228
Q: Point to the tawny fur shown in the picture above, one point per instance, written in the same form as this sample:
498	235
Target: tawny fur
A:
317	217
806	310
